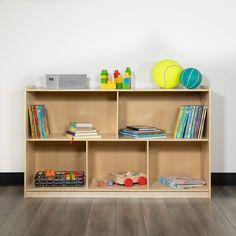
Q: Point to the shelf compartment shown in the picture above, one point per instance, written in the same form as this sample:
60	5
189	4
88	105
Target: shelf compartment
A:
97	108
157	109
113	157
60	156
178	159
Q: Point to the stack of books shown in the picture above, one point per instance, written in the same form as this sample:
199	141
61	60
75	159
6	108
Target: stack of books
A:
81	130
190	122
38	121
142	131
181	182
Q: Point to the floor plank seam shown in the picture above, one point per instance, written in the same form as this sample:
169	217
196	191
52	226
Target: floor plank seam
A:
199	221
13	206
226	217
168	212
115	216
141	205
91	202
40	205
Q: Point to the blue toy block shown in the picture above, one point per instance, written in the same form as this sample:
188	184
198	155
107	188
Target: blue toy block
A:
126	80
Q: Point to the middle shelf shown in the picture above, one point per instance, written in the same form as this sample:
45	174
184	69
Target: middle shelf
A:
113	137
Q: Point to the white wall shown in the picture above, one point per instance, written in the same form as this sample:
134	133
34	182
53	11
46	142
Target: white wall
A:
75	36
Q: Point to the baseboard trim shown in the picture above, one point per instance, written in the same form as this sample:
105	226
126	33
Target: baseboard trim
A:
11	179
223	178
17	178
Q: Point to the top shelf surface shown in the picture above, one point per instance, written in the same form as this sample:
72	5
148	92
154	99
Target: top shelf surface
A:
35	89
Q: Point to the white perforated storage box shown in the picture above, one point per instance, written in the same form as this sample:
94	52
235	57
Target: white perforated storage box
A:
63	81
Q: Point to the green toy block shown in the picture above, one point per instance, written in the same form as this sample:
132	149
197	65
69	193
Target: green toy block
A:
104	72
119	85
103	80
126	86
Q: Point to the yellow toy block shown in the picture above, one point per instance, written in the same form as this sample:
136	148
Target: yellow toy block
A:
109	85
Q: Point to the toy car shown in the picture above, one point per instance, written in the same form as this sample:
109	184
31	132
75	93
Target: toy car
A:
131	177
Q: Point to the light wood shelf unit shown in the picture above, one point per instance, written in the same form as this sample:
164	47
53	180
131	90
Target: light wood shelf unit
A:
110	110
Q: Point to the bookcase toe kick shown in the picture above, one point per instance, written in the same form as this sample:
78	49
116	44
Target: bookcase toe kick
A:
97	159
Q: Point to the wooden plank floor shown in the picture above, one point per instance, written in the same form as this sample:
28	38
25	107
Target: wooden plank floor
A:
118	216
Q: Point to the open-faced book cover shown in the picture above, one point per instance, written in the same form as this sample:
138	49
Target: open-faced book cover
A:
142	128
183	180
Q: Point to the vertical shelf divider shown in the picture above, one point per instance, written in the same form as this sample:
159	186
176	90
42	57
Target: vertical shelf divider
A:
147	164
117	114
86	165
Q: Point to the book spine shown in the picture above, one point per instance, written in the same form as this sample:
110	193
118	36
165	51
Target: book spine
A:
188	122
200	125
31	122
185	121
70	132
182	121
194	121
34	122
197	122
84	125
177	123
40	117
203	121
45	122
37	121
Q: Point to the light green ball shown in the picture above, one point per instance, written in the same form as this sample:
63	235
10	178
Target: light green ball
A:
166	74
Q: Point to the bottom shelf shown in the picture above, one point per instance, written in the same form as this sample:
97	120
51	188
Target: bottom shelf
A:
156	190
115	194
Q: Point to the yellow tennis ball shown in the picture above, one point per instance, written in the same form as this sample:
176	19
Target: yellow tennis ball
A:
166	74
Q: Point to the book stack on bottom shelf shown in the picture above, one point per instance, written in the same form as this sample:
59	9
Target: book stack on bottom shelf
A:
181	182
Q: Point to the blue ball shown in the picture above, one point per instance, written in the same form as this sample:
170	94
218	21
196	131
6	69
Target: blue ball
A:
190	78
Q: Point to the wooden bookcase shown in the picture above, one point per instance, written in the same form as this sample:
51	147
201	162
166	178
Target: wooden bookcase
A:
110	110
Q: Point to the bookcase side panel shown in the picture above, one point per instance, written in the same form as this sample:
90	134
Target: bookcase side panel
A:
29	149
205	100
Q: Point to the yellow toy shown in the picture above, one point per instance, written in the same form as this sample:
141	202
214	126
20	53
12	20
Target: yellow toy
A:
109	85
106	83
